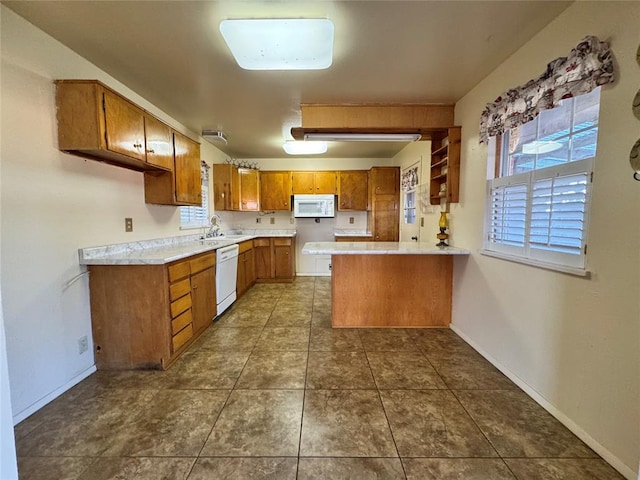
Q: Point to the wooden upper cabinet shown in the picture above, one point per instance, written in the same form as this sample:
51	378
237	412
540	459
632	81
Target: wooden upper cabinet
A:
353	189
159	143
275	191
249	189
187	170
313	183
124	132
97	123
385	180
235	188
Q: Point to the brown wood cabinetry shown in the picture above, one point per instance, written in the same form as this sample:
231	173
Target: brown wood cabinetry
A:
246	268
384	190
183	185
275	259
444	174
353	190
235	188
275	191
313	183
97	123
145	316
159	143
352	239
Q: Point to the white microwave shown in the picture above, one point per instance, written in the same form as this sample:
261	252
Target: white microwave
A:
313	206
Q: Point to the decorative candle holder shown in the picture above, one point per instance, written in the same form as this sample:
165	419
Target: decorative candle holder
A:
443	236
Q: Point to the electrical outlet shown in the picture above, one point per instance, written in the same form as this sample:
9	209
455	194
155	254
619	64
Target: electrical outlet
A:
351	220
83	345
258	220
272	220
128	224
292	221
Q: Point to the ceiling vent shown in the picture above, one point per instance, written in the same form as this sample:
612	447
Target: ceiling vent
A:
214	136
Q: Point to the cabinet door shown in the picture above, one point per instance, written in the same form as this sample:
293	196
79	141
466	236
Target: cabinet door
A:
302	182
352	189
262	252
275	191
385	180
249	268
325	183
241	281
159	143
124	124
203	298
249	189
283	258
187	170
385	218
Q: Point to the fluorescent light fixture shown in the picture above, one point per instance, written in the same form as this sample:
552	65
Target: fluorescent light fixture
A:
540	146
364	137
293	147
214	136
280	44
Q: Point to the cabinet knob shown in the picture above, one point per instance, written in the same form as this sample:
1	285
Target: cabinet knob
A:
285	204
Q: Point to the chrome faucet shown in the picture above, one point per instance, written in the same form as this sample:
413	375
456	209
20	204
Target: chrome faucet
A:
214	229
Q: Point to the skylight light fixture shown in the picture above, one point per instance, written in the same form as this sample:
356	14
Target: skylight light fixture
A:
280	44
293	147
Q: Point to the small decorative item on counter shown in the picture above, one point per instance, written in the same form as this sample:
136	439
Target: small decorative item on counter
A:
442	236
443	190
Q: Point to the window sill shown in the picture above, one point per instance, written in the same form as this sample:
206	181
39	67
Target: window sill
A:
580	272
194	227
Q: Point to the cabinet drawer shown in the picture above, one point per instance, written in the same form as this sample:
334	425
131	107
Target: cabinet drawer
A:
279	242
202	263
178	271
182	337
181	321
180	305
179	289
244	246
261	242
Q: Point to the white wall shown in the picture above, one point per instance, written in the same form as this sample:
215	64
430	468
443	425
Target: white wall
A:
53	204
571	342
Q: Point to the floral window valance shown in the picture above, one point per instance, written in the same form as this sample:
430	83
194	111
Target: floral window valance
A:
589	65
410	179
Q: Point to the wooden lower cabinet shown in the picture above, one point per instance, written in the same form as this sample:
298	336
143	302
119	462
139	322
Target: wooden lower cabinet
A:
145	316
246	268
275	259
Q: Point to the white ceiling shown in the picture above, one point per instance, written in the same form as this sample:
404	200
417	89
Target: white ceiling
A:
172	53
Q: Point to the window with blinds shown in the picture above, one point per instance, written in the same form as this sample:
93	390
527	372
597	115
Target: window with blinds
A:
538	208
196	217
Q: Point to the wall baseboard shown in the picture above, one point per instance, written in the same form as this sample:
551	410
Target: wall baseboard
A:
609	457
34	407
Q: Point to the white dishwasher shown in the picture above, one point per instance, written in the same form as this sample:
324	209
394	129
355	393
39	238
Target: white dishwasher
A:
226	271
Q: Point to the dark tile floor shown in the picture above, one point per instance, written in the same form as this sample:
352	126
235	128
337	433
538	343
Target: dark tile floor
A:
272	392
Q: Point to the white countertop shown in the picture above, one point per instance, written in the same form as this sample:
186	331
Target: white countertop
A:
165	250
379	248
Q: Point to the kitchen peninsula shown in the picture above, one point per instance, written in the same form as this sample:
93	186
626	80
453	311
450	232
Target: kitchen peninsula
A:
389	284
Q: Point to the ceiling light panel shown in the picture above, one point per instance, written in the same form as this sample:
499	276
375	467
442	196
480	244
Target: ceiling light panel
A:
280	44
304	148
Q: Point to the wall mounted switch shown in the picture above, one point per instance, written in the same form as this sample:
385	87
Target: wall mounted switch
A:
258	220
128	224
272	220
351	220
